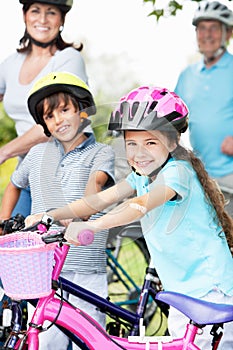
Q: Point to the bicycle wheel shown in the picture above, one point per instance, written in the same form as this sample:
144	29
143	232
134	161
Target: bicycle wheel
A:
128	258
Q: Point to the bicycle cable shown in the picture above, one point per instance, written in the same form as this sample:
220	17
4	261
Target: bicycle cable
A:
59	311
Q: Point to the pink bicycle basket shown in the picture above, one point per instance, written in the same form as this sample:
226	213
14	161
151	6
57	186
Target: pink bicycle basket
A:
26	265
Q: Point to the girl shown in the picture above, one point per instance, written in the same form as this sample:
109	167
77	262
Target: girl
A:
181	209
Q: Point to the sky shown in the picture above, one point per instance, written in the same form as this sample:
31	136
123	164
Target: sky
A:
122	45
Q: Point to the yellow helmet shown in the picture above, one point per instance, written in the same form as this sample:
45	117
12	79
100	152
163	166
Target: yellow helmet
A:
56	82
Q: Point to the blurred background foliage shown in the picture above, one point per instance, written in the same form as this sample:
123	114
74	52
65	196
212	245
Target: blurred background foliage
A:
7	127
7	133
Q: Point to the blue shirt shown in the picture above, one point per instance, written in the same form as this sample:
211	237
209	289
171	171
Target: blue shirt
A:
187	247
208	93
57	178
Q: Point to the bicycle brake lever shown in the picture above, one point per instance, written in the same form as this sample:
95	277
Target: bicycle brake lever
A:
56	237
38	226
12	224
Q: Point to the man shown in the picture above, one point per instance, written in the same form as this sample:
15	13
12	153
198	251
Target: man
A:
207	88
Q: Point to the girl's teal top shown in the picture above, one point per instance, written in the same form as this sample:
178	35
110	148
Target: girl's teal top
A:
186	243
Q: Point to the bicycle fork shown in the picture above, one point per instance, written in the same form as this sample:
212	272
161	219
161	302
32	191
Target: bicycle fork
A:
150	280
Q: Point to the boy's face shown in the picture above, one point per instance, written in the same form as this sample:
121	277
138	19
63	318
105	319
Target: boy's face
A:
63	124
146	150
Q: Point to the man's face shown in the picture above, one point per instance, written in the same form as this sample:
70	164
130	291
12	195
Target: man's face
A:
209	37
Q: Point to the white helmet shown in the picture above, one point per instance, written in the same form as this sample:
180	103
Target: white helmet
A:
213	11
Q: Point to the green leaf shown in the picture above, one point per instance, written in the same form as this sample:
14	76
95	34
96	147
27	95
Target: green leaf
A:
157	13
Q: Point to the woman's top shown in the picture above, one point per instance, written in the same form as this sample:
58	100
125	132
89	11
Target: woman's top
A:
187	245
16	94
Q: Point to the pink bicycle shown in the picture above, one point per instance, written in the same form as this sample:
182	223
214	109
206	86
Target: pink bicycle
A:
31	263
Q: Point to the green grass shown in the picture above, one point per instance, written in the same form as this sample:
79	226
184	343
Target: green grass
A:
6	170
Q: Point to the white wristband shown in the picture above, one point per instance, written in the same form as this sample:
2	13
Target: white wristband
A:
138	207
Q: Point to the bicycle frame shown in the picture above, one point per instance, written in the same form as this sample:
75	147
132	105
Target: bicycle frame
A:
94	337
116	311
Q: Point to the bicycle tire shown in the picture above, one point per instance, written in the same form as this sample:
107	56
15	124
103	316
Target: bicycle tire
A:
123	242
133	256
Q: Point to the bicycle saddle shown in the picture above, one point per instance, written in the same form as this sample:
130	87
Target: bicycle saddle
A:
200	311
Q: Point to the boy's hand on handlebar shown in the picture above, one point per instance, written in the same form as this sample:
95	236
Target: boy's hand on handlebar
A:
33	219
74	228
65	222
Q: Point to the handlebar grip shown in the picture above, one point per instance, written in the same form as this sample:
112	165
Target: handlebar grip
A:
85	237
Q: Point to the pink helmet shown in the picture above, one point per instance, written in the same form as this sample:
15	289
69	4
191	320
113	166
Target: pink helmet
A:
149	108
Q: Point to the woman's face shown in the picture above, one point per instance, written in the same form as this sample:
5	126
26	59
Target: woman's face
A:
147	150
43	21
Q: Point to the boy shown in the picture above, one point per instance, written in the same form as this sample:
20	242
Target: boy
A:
70	165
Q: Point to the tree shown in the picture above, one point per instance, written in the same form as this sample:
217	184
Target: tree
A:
169	9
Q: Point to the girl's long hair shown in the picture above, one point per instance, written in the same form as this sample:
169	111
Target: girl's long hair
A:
213	194
25	43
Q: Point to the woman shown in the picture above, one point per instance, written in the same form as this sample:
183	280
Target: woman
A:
41	51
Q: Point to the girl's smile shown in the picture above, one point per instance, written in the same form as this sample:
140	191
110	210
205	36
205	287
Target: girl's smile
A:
146	150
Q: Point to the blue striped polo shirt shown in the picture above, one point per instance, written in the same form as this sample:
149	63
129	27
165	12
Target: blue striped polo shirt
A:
56	178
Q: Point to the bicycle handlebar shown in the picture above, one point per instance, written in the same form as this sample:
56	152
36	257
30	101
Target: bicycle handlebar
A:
85	237
12	224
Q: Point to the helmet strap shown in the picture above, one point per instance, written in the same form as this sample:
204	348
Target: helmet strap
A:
84	123
39	43
217	53
43	45
156	171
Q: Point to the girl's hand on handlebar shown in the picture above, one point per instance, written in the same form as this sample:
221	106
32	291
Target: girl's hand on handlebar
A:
74	229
